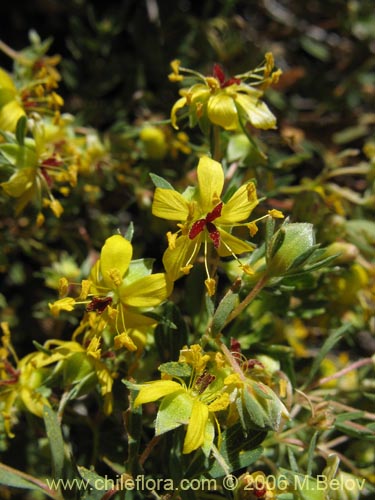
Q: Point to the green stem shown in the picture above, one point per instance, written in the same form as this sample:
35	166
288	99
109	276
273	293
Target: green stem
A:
251	296
16	56
216	143
32	480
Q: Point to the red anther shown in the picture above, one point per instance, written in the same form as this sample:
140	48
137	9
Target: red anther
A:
46	176
98	304
215	213
197	228
231	81
51	162
235	347
200	224
219	73
213	233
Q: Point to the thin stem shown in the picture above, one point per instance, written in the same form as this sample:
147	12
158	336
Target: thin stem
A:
50	493
13	54
251	296
216	143
231	360
344	371
154	441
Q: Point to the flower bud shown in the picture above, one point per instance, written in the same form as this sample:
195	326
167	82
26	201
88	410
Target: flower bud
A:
154	142
346	252
290	247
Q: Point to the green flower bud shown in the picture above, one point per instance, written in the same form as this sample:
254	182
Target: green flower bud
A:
154	142
346	252
290	247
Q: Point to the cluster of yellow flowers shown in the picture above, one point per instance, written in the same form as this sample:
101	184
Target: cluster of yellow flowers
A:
121	295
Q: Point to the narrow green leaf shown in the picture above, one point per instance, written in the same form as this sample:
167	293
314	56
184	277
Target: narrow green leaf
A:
276	242
176	369
129	232
95	486
14	478
21	130
226	306
55	439
160	182
310	454
335	336
238	449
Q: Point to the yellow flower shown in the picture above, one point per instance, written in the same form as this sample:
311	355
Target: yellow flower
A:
36	166
10	106
205	218
20	387
228	103
194	404
120	291
78	362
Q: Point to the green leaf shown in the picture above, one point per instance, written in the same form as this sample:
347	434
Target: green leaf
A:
174	410
239	449
21	130
16	479
315	48
333	338
129	232
138	269
225	307
171	333
239	148
311	453
93	481
160	182
176	369
55	439
19	156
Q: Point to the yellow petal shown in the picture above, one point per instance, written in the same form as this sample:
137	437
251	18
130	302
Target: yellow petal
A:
124	340
148	291
169	204
210	181
115	256
221	110
6	83
9	116
134	320
179	104
184	252
228	241
239	206
65	304
257	112
196	428
33	400
220	403
19	182
156	390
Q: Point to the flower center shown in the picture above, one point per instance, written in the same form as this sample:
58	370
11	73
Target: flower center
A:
219	74
206	223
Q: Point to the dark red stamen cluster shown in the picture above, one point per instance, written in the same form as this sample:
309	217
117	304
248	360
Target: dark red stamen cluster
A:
99	304
220	75
206	223
50	163
203	381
